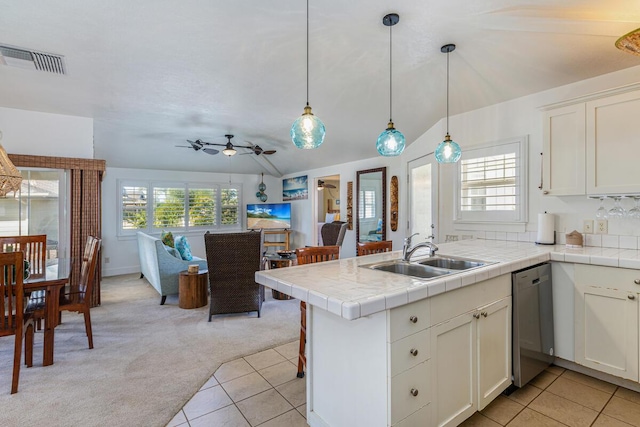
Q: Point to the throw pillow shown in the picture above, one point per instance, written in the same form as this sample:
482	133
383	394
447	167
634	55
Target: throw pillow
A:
182	245
173	251
167	238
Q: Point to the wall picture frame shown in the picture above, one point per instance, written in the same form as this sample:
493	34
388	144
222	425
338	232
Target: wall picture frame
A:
295	188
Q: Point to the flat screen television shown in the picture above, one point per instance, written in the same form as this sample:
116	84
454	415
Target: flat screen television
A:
268	216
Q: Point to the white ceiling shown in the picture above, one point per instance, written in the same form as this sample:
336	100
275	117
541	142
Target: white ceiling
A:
154	73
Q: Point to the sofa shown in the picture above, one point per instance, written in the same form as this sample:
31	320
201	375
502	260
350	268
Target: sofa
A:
160	265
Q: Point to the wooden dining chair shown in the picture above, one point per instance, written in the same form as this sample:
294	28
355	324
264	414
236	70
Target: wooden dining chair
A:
34	248
368	248
14	320
310	255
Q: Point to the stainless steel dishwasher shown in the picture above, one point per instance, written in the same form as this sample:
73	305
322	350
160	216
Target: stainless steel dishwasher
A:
532	323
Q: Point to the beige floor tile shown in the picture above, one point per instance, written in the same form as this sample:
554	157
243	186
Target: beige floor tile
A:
263	407
479	420
288	419
502	410
623	410
280	373
555	370
210	383
180	418
563	410
246	386
294	391
264	359
290	350
579	393
626	394
529	418
229	416
590	381
606	421
543	380
303	410
525	395
232	370
205	401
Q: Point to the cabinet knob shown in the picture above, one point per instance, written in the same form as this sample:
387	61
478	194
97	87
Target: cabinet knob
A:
413	319
545	192
631	296
414	351
476	315
414	392
637	281
484	314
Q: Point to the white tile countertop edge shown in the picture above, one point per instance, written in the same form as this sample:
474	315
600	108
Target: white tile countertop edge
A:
347	290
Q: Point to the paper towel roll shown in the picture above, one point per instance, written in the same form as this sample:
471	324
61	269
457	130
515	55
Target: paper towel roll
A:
546	234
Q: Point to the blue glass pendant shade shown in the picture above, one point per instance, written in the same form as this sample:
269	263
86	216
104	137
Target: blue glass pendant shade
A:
308	130
258	194
263	197
448	151
391	142
262	187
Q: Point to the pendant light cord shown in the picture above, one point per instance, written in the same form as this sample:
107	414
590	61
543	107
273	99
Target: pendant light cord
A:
307	53
390	72
447	91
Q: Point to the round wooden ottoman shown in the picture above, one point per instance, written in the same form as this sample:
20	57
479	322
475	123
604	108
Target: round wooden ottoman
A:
193	289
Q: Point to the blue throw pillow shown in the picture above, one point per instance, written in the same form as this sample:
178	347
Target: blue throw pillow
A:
173	251
182	245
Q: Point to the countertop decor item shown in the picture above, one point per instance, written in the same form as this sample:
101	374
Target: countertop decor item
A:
391	141
546	230
574	239
448	151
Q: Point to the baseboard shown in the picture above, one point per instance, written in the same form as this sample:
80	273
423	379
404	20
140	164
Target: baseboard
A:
117	271
572	366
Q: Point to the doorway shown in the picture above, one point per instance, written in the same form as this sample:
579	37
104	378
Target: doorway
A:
327	203
423	197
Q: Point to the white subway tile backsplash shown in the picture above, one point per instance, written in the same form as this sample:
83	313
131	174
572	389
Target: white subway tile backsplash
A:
501	235
610	241
628	242
594	240
490	235
512	237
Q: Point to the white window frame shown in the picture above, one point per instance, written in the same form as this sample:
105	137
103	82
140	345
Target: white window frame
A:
187	186
519	216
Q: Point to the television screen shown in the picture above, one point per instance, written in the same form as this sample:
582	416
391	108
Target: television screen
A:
269	215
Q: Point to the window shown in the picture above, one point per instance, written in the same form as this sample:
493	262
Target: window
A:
491	183
368	210
182	207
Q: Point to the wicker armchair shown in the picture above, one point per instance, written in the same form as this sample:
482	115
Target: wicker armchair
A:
232	260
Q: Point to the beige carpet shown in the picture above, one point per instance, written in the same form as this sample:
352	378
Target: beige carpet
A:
147	362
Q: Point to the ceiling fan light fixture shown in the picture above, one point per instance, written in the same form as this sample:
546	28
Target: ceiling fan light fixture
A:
630	42
391	141
229	150
308	131
448	151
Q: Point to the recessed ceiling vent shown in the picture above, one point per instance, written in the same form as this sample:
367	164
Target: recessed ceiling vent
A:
30	59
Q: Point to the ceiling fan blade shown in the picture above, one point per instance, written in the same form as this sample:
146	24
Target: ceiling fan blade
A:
329	186
211	151
269	152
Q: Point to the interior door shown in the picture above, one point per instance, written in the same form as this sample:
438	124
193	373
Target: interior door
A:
422	187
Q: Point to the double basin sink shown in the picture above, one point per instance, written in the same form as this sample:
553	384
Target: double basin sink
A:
428	268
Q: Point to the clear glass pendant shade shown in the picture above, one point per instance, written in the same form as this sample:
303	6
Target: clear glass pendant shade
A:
391	142
448	151
308	130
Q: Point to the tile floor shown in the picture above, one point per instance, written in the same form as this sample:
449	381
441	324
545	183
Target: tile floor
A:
257	390
262	390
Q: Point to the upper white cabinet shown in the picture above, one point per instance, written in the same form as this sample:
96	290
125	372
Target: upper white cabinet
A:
563	159
591	145
613	144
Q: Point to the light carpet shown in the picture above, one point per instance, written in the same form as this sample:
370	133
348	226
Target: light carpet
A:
147	362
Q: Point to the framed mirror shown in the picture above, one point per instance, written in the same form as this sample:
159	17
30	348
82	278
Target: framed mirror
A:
371	202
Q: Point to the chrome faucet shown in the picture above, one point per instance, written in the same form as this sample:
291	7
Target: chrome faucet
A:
407	250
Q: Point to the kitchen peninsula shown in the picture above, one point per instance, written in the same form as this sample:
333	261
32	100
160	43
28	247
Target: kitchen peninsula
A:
386	349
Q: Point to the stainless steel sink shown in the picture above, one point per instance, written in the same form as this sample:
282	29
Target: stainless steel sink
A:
452	263
409	269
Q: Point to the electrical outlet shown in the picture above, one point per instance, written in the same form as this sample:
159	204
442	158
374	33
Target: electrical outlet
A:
587	226
602	227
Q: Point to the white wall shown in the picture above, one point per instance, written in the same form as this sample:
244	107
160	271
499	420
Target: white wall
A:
45	134
120	254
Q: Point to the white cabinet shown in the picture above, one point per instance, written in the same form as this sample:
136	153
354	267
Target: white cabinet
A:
563	158
606	319
613	148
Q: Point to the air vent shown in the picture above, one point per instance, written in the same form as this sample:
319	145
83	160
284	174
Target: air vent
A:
30	59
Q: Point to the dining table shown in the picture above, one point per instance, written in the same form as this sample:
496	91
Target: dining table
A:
46	288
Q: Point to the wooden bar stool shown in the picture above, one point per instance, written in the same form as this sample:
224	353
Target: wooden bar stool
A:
368	248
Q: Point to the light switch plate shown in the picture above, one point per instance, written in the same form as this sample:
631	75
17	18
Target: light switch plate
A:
602	226
587	226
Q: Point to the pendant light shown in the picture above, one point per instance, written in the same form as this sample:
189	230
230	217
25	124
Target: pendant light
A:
448	151
261	190
391	141
630	42
308	130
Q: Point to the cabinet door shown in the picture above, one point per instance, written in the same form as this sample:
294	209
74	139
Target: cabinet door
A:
612	144
607	330
453	370
563	159
494	350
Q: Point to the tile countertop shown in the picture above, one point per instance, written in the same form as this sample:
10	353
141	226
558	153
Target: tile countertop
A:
346	290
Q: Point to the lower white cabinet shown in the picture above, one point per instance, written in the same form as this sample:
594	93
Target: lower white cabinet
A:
471	362
606	319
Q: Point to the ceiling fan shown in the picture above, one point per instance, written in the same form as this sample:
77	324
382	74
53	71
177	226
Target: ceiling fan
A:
229	148
322	185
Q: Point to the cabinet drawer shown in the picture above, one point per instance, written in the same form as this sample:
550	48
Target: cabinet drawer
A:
419	418
402	352
408	319
607	277
403	402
